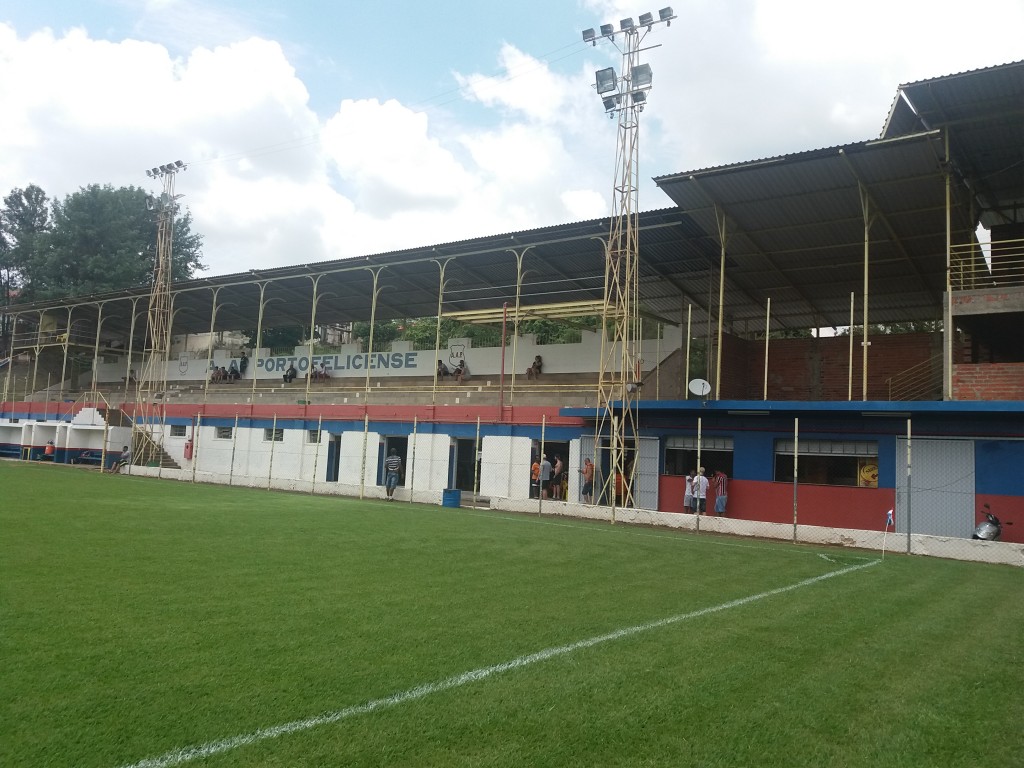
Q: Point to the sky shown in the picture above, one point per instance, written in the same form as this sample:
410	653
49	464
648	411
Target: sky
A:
315	131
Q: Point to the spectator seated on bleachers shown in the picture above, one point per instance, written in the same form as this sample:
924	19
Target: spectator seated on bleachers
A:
319	373
461	372
534	371
442	370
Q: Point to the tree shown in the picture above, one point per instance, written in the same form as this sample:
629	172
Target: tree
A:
895	329
383	333
283	338
24	219
104	239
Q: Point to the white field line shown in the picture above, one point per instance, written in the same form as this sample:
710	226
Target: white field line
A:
187	754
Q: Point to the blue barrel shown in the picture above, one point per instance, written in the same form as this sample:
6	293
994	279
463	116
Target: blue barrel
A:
451	497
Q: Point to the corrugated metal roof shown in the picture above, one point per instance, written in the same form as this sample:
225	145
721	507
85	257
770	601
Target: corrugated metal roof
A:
795	231
982	112
794	225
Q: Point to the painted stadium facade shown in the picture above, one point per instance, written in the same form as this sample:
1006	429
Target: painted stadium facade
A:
820	437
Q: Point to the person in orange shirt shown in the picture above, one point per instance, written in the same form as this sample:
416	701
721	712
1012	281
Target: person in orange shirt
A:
535	479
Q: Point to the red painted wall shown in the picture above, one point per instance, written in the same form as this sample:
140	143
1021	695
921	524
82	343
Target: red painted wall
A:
1009	510
827	505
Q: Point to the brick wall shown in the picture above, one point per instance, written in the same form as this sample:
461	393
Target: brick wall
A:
817	369
992	381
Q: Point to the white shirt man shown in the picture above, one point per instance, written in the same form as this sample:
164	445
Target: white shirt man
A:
700	491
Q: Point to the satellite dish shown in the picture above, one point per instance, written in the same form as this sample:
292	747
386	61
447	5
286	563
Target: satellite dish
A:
700	387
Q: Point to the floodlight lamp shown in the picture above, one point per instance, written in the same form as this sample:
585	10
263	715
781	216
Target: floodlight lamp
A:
589	36
646	19
666	15
149	173
178	164
607	30
626	24
611	102
639	97
641	76
163	169
156	172
606	80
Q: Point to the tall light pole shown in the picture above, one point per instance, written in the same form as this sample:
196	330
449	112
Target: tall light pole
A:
151	389
621	375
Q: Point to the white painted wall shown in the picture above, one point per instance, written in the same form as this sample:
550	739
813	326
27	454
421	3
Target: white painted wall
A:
429	455
350	362
505	467
351	459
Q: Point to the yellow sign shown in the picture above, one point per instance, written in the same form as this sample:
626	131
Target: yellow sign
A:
867	473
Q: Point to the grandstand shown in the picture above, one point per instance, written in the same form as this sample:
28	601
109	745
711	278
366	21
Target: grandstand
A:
813	430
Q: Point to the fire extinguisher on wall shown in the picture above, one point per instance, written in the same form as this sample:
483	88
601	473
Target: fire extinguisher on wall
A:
188	448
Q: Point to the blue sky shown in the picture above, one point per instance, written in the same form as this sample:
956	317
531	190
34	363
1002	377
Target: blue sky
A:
317	131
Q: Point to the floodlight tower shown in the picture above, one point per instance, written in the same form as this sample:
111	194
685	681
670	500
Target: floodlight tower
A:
152	382
621	375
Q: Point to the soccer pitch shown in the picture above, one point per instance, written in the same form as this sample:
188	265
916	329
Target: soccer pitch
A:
157	623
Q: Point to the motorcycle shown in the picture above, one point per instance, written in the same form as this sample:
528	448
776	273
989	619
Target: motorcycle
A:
988	529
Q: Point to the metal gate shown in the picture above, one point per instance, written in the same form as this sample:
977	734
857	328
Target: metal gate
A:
645	473
941	497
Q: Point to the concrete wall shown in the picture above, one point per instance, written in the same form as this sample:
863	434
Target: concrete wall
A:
400	361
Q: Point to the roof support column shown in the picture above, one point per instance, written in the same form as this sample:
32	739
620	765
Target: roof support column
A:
38	350
10	356
373	320
209	348
865	205
312	325
259	335
95	346
520	255
948	327
722	240
441	267
129	374
64	362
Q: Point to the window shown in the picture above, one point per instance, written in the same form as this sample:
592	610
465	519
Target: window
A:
177	430
313	436
273	435
829	462
224	433
681	454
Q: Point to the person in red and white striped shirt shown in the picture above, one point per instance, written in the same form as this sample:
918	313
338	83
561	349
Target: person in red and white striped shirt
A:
721	484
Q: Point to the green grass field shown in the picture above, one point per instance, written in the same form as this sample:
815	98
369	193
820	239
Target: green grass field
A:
155	623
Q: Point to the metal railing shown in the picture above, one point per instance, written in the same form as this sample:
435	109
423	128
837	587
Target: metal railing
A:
919	382
974	268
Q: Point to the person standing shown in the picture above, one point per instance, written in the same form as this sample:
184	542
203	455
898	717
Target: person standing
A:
721	482
545	476
556	479
393	469
688	492
535	479
700	492
588	481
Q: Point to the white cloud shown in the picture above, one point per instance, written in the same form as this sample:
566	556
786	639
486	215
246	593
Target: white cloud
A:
269	183
272	183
